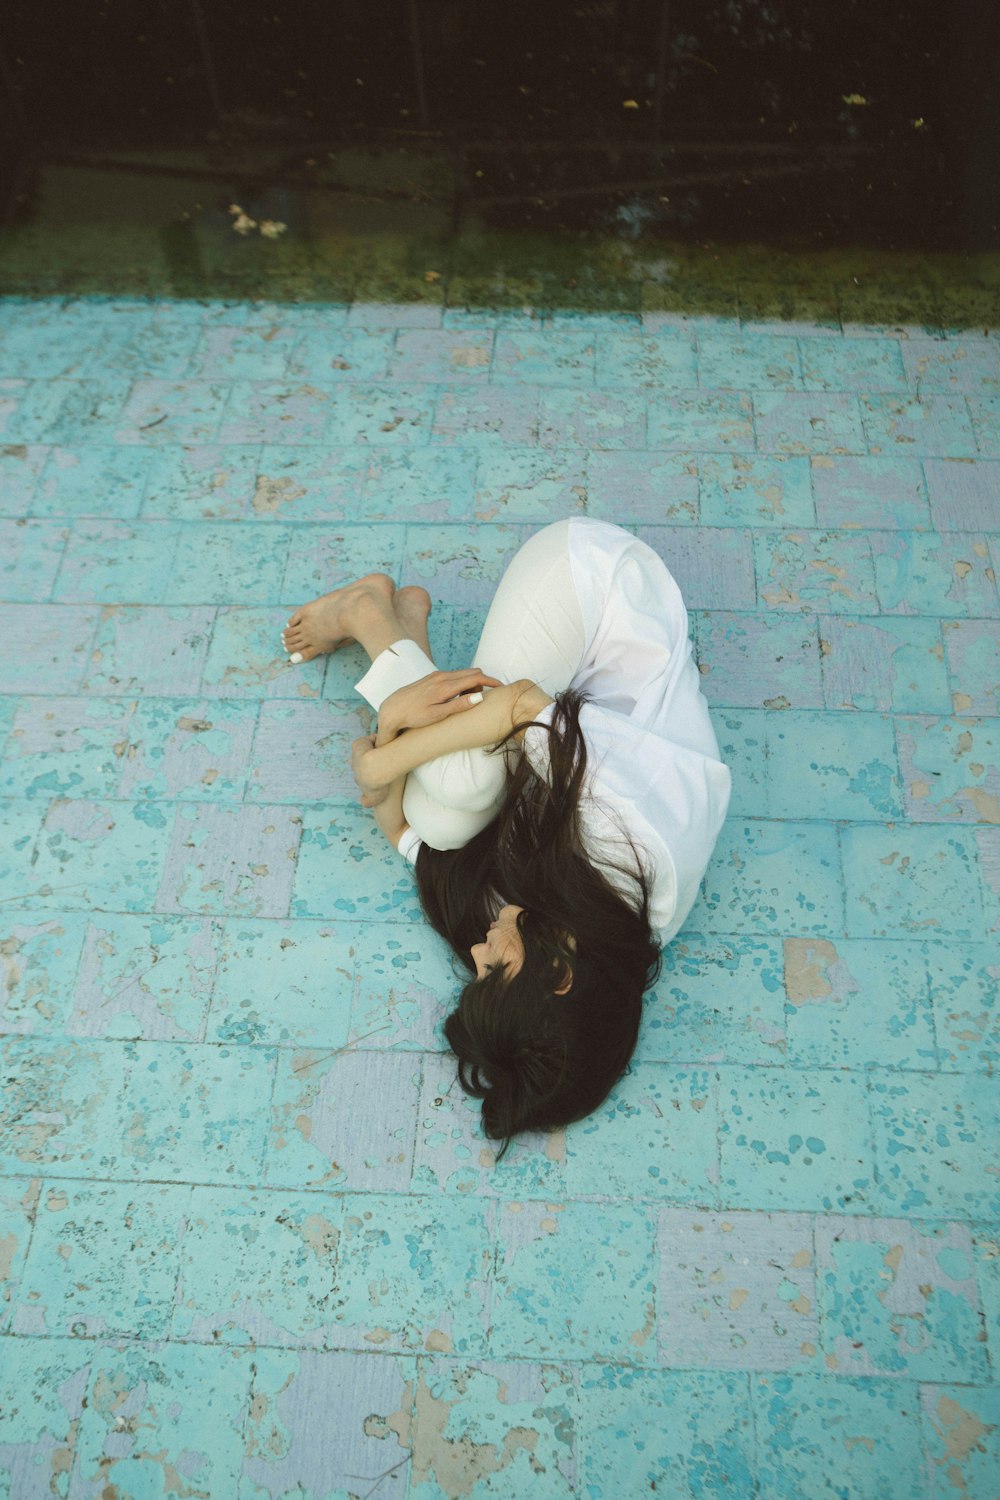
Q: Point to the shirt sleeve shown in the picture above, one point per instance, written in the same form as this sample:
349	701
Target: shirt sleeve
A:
409	844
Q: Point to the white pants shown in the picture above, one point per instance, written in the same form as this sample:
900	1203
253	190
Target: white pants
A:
582	604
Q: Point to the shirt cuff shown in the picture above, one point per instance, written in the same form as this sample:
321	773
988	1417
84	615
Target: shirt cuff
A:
408	845
397	666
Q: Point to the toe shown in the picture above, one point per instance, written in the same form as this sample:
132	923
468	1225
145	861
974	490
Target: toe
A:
305	653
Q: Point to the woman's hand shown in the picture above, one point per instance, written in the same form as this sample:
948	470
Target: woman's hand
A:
432	698
362	750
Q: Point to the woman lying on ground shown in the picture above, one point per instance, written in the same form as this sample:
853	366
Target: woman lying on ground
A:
560	802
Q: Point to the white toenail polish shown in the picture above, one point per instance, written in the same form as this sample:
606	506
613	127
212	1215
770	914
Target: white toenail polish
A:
296	658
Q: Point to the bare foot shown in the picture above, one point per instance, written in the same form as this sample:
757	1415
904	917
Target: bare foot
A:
413	605
321	626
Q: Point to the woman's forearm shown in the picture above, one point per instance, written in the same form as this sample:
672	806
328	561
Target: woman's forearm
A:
389	812
474	728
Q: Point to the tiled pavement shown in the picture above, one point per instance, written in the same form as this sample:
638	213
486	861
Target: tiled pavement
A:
252	1243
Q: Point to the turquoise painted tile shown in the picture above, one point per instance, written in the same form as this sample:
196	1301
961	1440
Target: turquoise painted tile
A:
960	1427
598	1259
247	660
228	564
653	1137
852	364
829	572
380	415
951	769
161	411
100	482
406	980
640	485
139	650
61	1109
45	349
454	1155
256	1267
20	826
963	495
290	1454
708	565
968	364
627	358
702	421
935	1145
513	1422
447	355
748	490
757	660
985	414
284	983
795	1140
346	868
899	1299
272	411
32	552
200	482
343	1119
884	664
314	483
869	491
237	352
911	882
18	1211
45	643
837	1439
689	1435
144	978
927	573
592	419
925	426
162	1419
986	1251
970	647
111	562
143	347
66	747
544	356
94	855
89	410
413	1273
857	1004
422	314
228	860
341	353
320	559
773	877
525	484
488	414
737	1291
718	999
808	422
418	484
459	564
103	1261
988	846
465	629
834	765
20	466
742	737
29	408
194	750
40	959
42	1388
964	982
302	751
748	362
193	1113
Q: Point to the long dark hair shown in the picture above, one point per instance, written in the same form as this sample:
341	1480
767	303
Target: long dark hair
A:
539	1059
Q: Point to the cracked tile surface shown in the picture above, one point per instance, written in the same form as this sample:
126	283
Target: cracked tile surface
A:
252	1240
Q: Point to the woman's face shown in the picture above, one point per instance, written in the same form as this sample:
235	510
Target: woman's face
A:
502	947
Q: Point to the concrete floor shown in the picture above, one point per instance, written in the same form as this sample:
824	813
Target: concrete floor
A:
252	1241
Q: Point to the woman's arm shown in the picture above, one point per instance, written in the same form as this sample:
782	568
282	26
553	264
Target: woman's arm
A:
389	812
486	724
